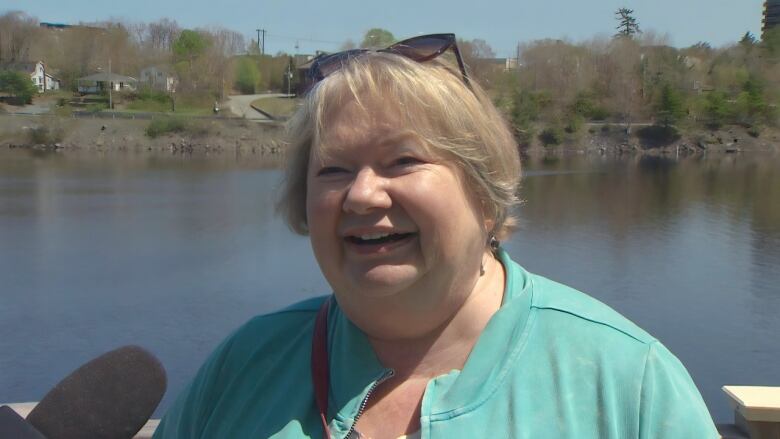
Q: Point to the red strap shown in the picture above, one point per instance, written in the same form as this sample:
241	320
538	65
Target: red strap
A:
320	372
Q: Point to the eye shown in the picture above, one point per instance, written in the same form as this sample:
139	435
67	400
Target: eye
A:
407	160
330	170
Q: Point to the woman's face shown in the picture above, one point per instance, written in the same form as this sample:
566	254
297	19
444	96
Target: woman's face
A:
390	224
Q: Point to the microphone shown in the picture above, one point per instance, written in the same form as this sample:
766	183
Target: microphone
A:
111	396
13	426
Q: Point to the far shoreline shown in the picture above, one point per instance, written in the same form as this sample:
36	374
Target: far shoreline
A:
238	137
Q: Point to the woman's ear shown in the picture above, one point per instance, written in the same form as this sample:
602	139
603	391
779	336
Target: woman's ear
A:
488	220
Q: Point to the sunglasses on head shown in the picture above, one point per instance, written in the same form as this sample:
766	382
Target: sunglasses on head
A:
421	49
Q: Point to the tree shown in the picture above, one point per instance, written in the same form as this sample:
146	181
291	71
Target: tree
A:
18	85
627	24
377	38
716	109
669	108
771	44
18	31
247	75
189	45
748	40
477	56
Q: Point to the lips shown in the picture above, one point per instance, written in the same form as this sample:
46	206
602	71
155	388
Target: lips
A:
377	238
378	243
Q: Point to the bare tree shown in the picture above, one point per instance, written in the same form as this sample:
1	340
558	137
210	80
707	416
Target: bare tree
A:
162	33
18	32
226	41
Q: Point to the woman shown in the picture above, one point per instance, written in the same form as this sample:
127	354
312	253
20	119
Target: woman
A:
403	174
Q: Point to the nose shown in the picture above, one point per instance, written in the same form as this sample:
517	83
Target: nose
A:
367	192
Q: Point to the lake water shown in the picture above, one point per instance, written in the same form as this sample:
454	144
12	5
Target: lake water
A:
173	253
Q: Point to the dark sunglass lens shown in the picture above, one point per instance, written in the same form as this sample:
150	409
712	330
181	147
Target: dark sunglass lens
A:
421	49
331	63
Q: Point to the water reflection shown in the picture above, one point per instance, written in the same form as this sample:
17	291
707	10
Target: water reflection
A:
172	253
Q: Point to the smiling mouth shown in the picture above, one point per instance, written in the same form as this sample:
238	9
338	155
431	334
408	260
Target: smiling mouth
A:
378	239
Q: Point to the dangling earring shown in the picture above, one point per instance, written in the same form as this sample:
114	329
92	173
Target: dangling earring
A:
493	242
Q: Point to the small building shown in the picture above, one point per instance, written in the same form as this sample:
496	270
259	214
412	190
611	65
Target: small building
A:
101	82
301	81
158	78
42	79
505	64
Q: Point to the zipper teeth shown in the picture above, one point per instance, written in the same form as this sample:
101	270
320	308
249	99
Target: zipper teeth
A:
385	376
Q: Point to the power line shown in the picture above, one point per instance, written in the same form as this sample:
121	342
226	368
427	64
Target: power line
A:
310	40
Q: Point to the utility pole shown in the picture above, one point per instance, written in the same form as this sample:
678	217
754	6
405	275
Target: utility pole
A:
262	51
261	45
258	39
110	87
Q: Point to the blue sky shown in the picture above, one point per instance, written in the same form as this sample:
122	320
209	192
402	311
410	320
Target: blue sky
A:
326	25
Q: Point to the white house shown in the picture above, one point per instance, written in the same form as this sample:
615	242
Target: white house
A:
42	79
158	78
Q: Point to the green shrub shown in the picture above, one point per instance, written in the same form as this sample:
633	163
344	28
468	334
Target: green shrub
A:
149	94
18	85
165	125
598	113
585	105
716	109
551	136
654	136
45	135
574	124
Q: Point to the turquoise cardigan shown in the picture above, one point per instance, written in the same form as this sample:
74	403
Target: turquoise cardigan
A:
551	363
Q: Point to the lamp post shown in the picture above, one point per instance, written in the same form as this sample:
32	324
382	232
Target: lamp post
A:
289	76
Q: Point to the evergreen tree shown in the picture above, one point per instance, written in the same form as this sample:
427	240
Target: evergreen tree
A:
18	85
669	108
716	109
748	40
628	25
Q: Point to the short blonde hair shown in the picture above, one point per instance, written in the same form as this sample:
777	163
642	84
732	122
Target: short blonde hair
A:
456	121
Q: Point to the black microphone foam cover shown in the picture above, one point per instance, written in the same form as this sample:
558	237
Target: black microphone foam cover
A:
111	396
13	426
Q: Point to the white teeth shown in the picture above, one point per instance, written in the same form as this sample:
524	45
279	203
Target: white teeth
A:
374	236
